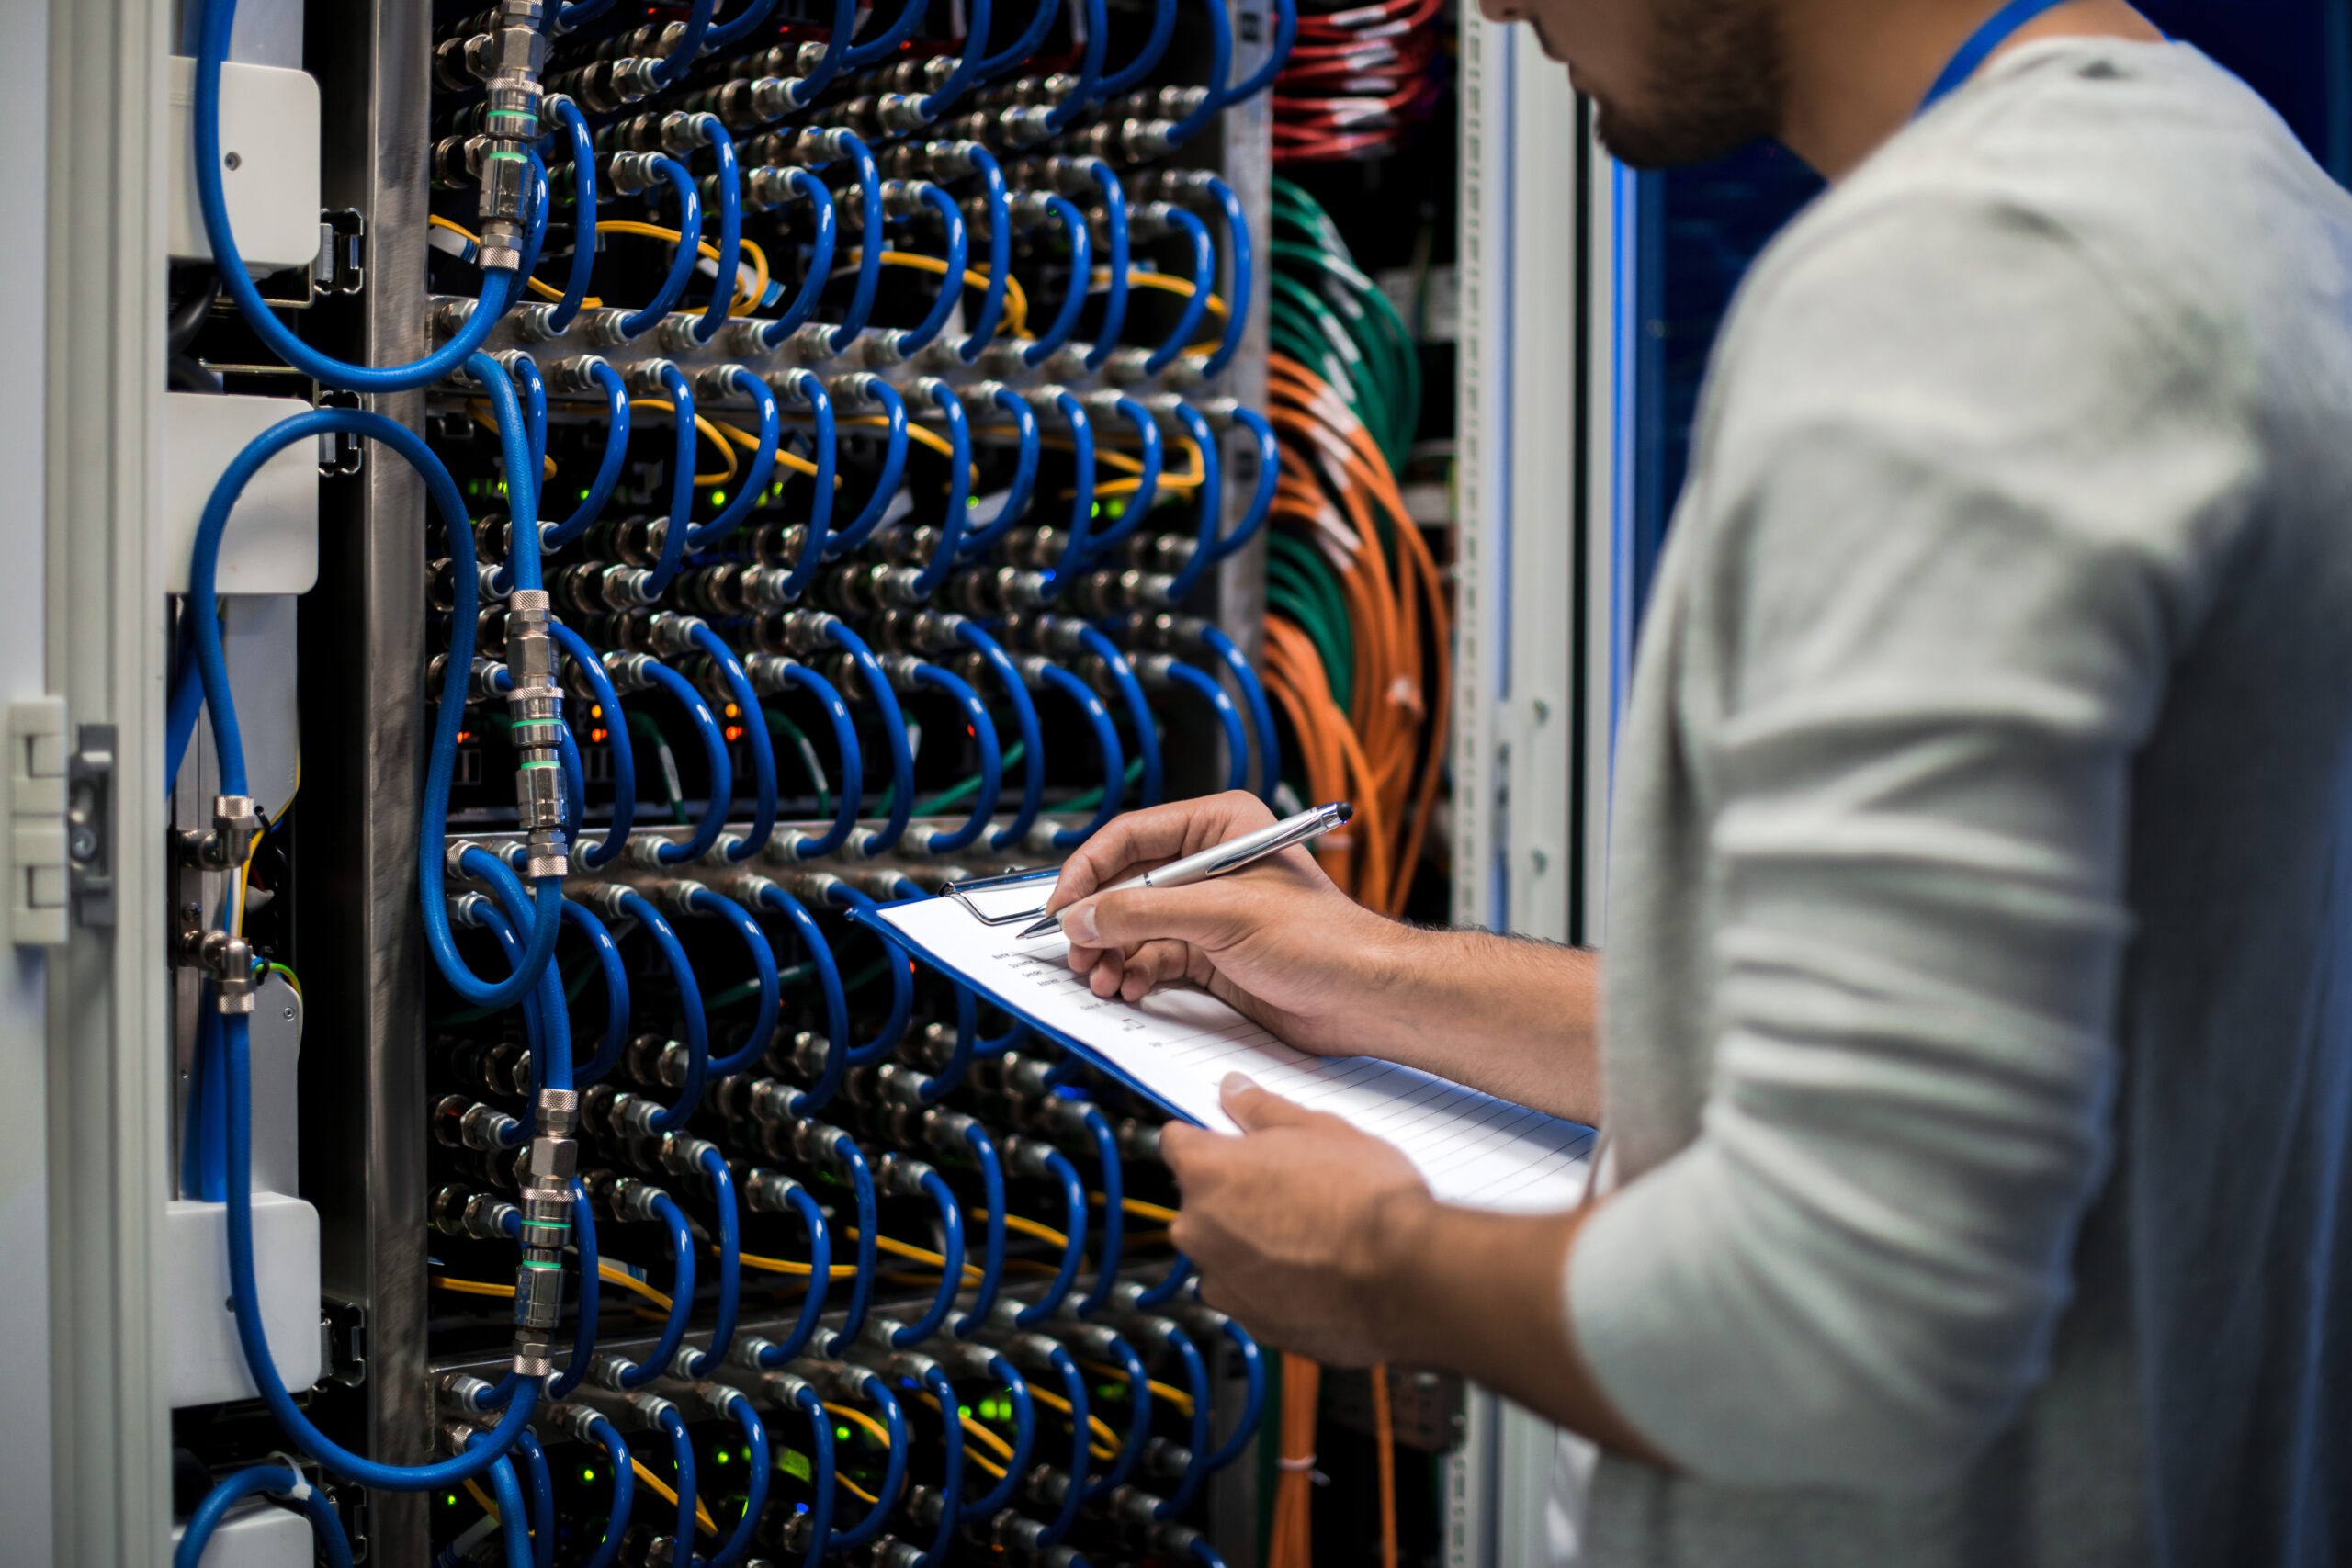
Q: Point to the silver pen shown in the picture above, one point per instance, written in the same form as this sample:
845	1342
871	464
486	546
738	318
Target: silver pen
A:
1231	855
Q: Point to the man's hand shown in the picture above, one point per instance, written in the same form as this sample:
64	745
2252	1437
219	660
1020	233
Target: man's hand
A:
1290	1224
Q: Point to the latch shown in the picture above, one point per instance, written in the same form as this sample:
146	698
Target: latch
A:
339	268
89	825
38	889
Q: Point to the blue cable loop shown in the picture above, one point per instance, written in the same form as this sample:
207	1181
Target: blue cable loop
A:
545	1018
853	761
976	713
1138	1435
682	1455
1082	271
1123	675
616	1455
1220	66
821	1475
1081	504
705	900
1074	1221
245	1297
187	700
513	1524
1147	491
1163	28
951	283
716	757
608	467
702	536
1204	285
894	734
829	978
1107	742
1210	500
533	390
1197	1436
537	197
1180	1271
959	486
1237	245
1199	1551
498	288
756	1497
713	1166
591	1296
1024	714
1261	500
1088	82
1024	1441
820	1276
583	658
1261	713
667	73
951	1476
1016	53
746	698
861	1287
937	1087
1115	1217
542	1499
730	188
1236	738
968	64
681	265
682	973
575	783
1000	213
820	256
1082	1447
883	44
1286	34
869	254
1253	1399
808	88
1115	228
902	986
581	13
681	524
894	1470
735	27
1024	474
984	1154
673	1330
886	483
584	205
326	1525
806	386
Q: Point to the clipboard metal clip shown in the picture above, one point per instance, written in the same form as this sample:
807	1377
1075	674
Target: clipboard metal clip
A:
956	890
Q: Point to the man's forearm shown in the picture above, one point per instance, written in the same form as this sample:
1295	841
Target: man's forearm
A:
1513	1018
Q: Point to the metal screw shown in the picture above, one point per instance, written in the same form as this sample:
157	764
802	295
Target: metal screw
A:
84	844
232	161
290	1015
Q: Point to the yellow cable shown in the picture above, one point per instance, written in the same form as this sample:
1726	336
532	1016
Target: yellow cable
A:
851	1413
475	1486
544	291
915	1254
1028	1228
610	1273
971	1425
1140	279
751	443
741	302
474	1288
854	1489
1137	1207
1094	1422
929	438
479	408
1175	1396
663	1490
1016	299
1188	480
786	1265
709	434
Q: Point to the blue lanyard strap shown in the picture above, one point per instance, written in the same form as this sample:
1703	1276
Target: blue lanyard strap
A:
1998	29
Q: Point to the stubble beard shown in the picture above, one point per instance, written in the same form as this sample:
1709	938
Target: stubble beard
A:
1714	86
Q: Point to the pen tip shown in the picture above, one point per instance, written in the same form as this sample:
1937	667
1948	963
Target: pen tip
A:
1347	812
1041	927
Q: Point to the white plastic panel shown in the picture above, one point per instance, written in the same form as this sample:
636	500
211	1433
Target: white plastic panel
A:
269	155
272	542
203	1362
257	1535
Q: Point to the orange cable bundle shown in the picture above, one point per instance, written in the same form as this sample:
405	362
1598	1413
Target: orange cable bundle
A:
1384	1440
1293	1542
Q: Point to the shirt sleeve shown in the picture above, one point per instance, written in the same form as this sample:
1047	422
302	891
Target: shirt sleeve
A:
1962	501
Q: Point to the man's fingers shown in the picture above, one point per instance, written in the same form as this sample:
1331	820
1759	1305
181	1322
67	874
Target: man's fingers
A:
1152	966
1184	1148
1212	914
1258	1109
1142	839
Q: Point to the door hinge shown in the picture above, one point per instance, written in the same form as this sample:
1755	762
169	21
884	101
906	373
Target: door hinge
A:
38	889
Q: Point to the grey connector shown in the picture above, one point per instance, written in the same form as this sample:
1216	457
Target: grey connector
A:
536	704
1024	1156
626	1199
633	1115
646	377
236	823
464	1393
459	1123
680	1153
574	372
230	961
897	1173
481	1215
768	1192
677	333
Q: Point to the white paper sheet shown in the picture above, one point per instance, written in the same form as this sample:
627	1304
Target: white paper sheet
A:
1178	1043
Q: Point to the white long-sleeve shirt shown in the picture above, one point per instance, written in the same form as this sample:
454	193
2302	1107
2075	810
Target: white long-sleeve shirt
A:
1977	1032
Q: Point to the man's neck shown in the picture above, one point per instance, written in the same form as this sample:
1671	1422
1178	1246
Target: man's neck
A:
1857	68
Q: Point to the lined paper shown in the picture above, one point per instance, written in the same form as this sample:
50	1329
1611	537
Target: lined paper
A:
1177	1045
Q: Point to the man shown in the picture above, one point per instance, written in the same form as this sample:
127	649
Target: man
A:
1977	1007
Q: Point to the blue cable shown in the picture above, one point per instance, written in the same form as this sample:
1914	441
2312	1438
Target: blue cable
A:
1046	1306
532	388
869	254
667	73
735	27
894	734
808	89
512	1522
1082	271
959	484
681	265
1180	1270
1199	1551
575	785
682	973
1220	66
1197	1438
941	1084
1261	500
886	43
820	1276
821	1473
1138	504
729	190
853	762
1081	503
680	525
1269	752
719	764
1024	714
1163	28
637	1375
583	204
806	386
583	658
1024	1441
1082	1447
1237	246
967	67
1123	675
894	1468
187	699
498	288
608	467
1204	284
705	900
1041	22
1088	81
976	713
861	1288
731	1262
702	536
1209	499
1107	742
1000	210
1286	34
894	463
1236	740
829	978
820	256
1138	1421
951	1274
755	738
682	1455
984	1154
1115	228
1115	1217
542	1499
755	1498
1253	1399
326	1525
616	1454
951	1476
591	1302
579	14
902	986
1024	474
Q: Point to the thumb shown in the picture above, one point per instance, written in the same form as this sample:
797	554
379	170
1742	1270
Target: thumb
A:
1212	914
1257	1110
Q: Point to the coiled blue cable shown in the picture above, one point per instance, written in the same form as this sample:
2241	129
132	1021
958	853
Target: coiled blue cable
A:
590	1297
821	1473
541	1497
1024	1440
668	73
746	698
1024	714
1138	1435
1151	453
512	1522
705	900
1261	713
1179	1272
886	43
682	973
1204	284
1081	269
616	1455
829	979
583	658
1000	213
532	389
861	1288
1106	743
583	206
1209	499
1220	66
1197	1438
674	1329
608	466
1155	44
1237	250
806	386
1115	228
976	713
894	1468
943	1083
1277	56
1123	675
808	88
853	762
1016	53
326	1525
1114	1219
959	485
1261	499
756	1497
951	1475
729	189
902	985
820	1276
702	536
1236	739
821	239
869	254
894	464
1089	80
716	757
713	1166
681	265
1081	531
1253	1398
682	1455
1024	474
1082	1447
894	735
725	33
967	67
1047	1305
984	1155
680	522
1201	1551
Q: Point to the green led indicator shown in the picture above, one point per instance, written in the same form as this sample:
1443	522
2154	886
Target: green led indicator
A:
448	1499
841	1433
718	498
588	1476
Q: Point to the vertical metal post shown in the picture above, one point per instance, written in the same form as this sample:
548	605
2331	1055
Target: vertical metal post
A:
108	1092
